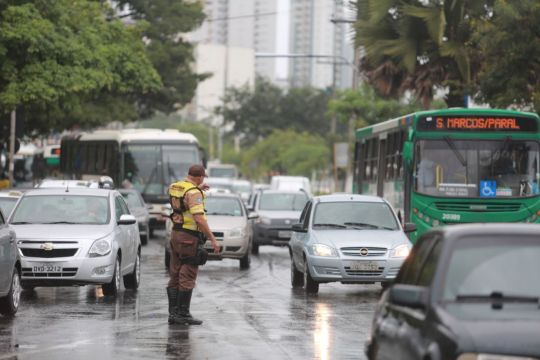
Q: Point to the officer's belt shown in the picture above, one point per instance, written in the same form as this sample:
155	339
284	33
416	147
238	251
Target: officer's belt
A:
178	227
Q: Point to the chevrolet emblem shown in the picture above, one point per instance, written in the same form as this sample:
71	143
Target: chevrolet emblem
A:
47	246
364	252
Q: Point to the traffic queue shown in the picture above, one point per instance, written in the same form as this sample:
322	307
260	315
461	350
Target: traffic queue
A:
446	297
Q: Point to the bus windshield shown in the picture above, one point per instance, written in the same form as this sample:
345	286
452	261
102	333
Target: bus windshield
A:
152	167
474	168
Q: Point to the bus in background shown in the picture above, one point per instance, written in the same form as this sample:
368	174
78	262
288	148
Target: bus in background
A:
453	166
222	171
147	159
51	154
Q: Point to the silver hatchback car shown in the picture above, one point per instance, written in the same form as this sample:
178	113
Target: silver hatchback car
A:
349	239
77	237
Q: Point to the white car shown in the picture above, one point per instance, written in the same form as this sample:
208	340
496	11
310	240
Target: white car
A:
230	223
347	238
77	237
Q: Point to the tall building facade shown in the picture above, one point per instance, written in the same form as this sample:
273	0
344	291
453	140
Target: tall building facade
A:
318	32
246	24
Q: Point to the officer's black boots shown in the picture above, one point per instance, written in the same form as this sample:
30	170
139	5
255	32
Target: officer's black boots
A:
183	316
172	294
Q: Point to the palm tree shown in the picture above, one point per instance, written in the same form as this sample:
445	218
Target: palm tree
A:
418	45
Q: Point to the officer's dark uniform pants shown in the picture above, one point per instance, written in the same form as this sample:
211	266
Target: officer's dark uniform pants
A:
182	276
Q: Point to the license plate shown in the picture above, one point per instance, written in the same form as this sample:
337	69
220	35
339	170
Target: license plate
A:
365	266
284	234
47	268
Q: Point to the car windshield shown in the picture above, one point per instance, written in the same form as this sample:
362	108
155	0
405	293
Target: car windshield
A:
62	209
467	168
133	200
493	265
283	201
151	168
355	214
7	204
227	206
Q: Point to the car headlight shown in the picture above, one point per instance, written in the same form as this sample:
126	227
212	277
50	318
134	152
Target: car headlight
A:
323	250
263	220
472	356
101	247
400	251
237	232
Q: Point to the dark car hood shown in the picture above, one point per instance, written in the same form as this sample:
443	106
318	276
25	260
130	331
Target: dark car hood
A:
513	330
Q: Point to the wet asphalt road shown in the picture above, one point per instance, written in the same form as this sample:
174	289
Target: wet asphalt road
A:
249	314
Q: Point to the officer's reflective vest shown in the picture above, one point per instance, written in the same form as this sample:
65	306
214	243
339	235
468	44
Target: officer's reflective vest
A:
178	190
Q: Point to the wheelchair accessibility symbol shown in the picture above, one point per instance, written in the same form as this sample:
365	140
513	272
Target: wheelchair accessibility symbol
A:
488	188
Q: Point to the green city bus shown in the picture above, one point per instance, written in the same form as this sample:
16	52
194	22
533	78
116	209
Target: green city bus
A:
452	166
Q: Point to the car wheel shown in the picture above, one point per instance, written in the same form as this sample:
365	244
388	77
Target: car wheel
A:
255	249
112	288
245	261
167	258
310	286
132	281
297	278
9	304
145	238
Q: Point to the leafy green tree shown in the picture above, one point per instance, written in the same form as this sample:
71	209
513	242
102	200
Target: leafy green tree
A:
367	108
286	152
171	55
419	46
64	62
255	113
509	41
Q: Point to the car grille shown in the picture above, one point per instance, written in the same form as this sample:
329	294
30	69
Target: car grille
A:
218	234
364	272
233	248
55	253
67	272
355	251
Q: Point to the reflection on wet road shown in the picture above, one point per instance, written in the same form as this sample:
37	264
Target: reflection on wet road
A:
252	314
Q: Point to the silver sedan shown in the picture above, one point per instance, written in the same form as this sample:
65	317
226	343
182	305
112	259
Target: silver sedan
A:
349	239
77	237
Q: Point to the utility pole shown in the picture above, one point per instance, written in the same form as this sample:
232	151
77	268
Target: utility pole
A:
12	148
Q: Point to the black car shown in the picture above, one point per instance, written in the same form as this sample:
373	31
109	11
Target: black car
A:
465	292
137	207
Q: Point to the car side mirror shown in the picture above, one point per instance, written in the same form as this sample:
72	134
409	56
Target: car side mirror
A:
252	216
409	227
409	295
127	219
299	228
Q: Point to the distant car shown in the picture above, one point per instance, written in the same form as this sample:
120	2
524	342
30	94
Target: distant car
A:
465	292
220	183
291	183
139	209
77	237
230	223
349	239
10	270
229	171
277	211
8	199
244	188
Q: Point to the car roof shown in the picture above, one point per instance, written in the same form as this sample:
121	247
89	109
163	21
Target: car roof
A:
275	191
456	232
349	197
71	191
11	194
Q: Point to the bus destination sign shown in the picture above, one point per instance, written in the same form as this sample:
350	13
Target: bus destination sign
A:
477	123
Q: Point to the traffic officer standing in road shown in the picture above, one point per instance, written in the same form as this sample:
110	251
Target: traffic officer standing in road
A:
189	227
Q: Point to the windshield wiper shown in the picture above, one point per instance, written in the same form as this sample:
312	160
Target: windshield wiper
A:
497	297
220	213
61	222
363	225
23	223
332	225
452	146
